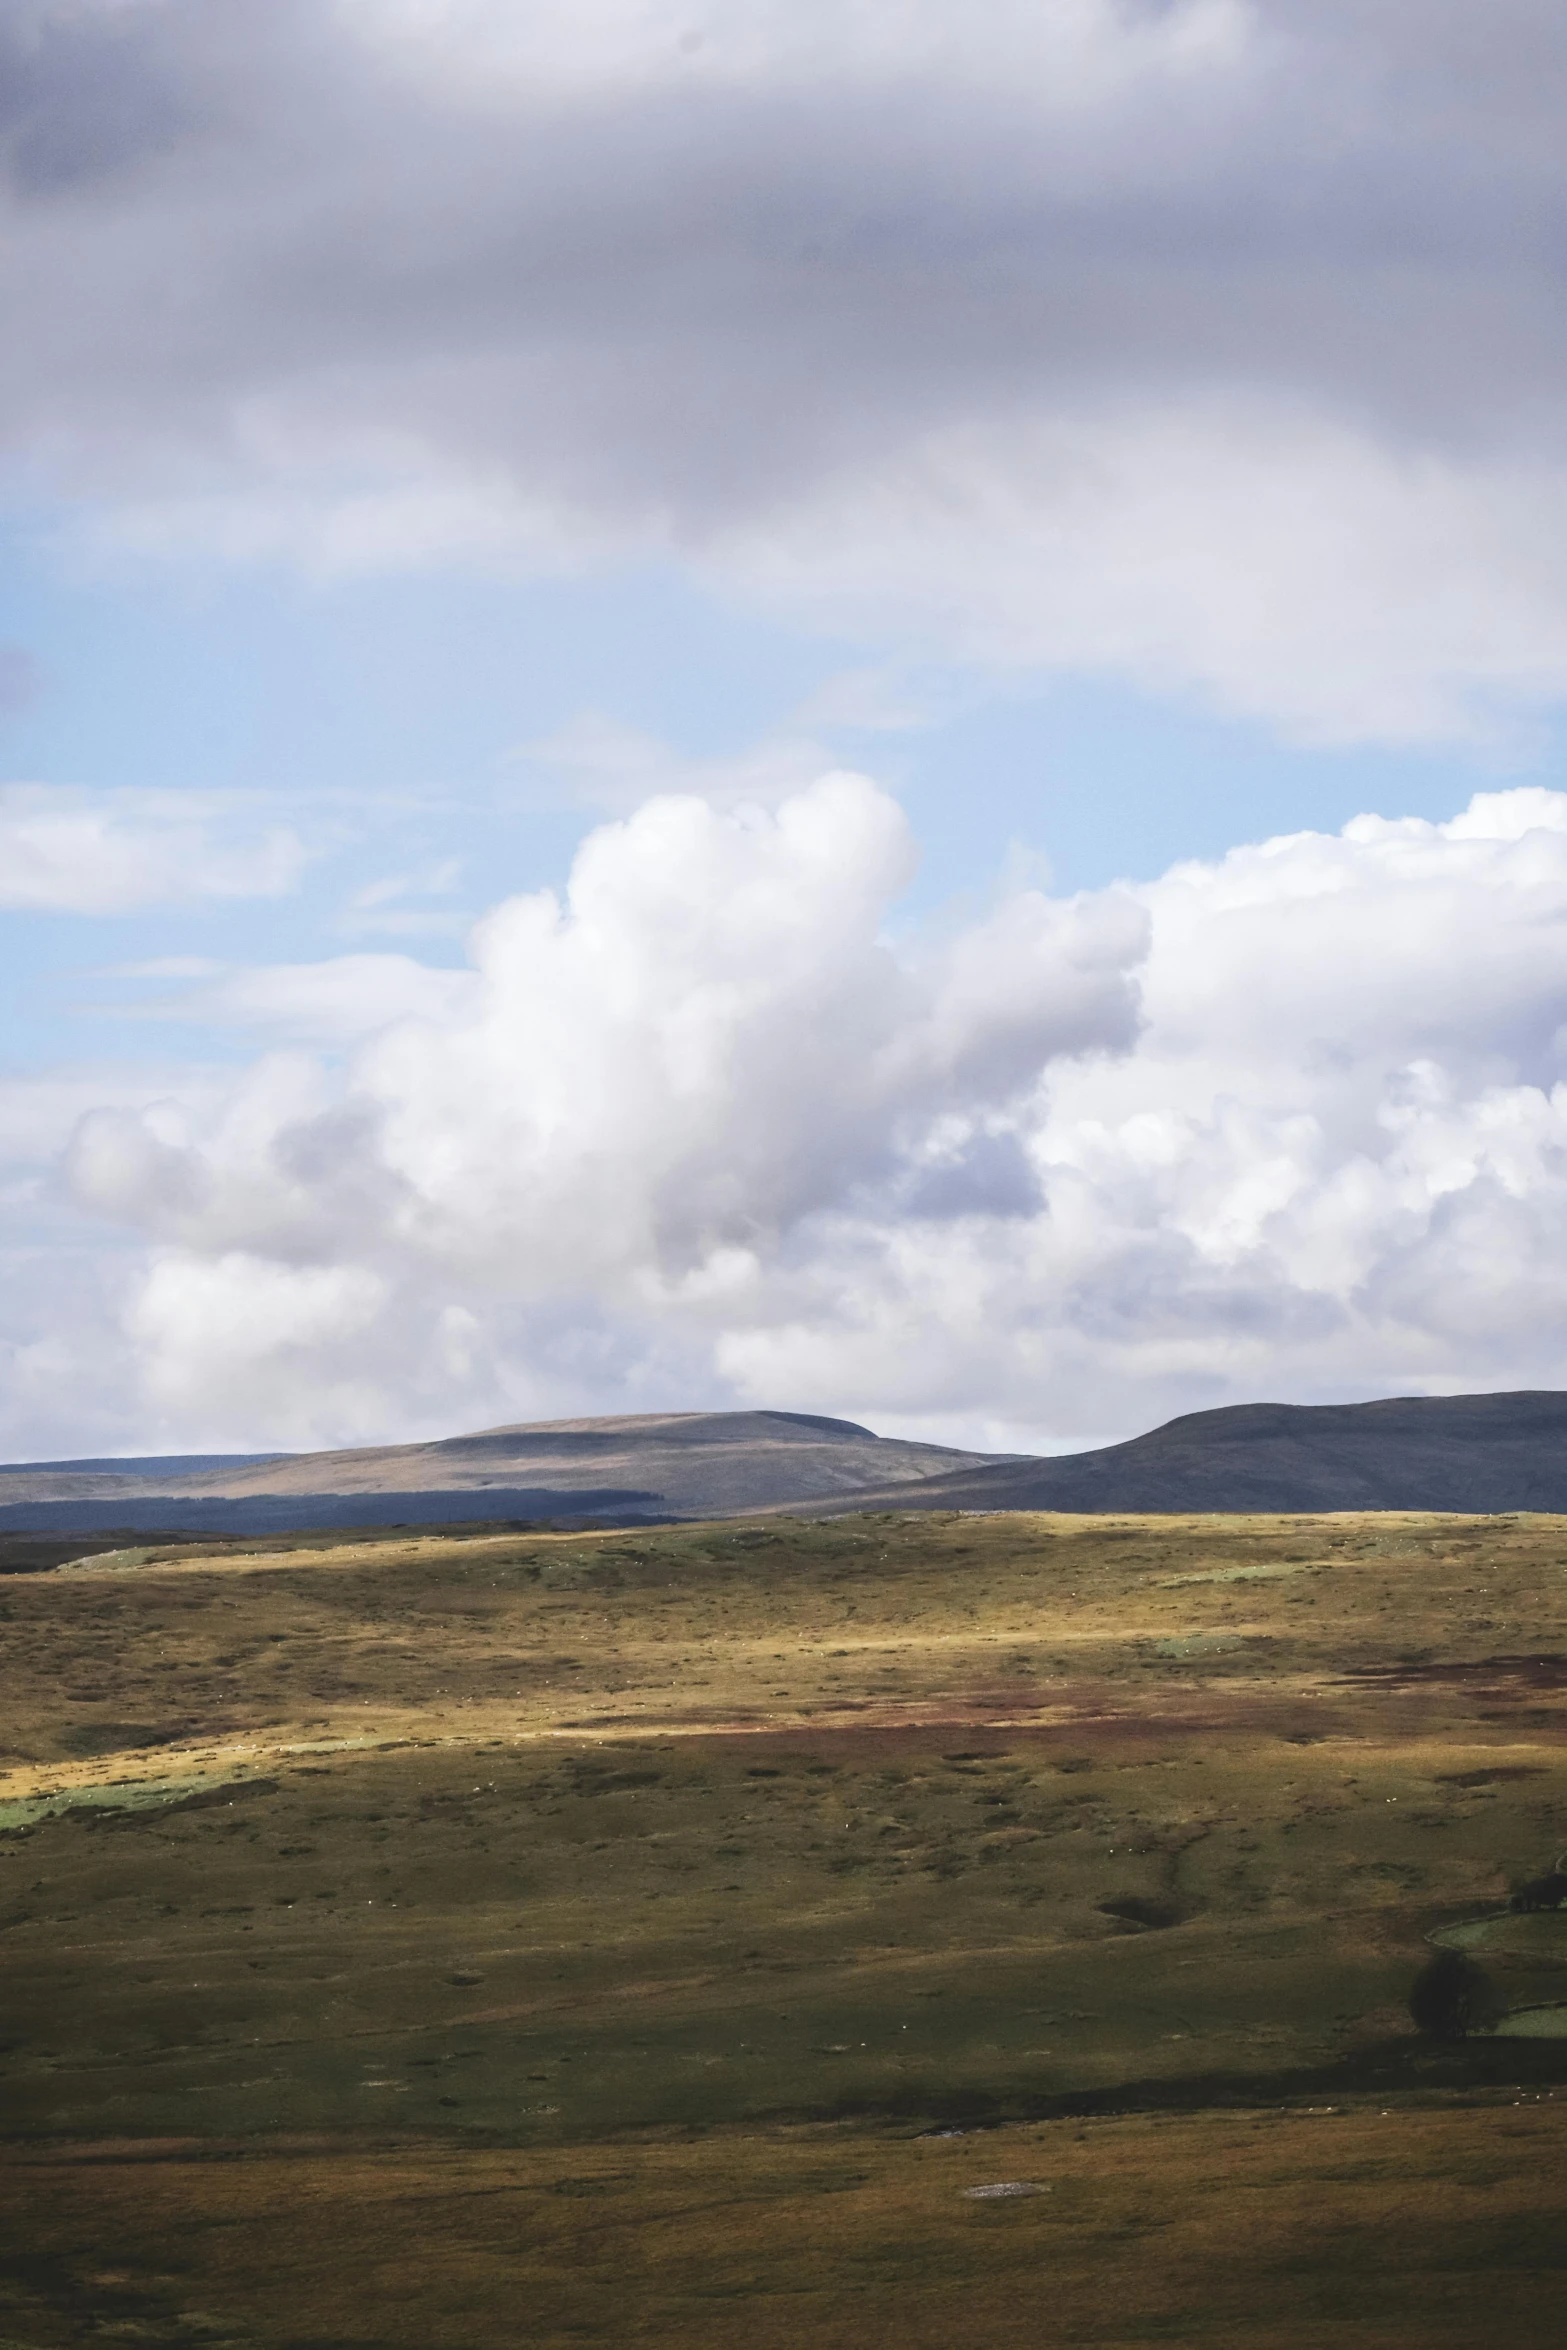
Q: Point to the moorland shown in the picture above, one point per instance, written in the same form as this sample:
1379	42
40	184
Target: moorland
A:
492	1937
1442	1453
642	1468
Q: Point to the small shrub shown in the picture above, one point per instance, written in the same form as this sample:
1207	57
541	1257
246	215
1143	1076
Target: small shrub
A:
1450	1996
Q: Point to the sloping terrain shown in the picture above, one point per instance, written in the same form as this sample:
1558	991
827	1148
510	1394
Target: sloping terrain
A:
1467	1452
1458	1452
442	1943
653	1466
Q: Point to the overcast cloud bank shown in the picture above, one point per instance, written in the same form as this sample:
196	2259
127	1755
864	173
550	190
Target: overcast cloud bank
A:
1218	343
705	1129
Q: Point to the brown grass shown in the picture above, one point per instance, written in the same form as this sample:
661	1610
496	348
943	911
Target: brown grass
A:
570	1939
1352	2227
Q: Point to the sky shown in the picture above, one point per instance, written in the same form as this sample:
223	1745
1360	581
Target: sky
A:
710	704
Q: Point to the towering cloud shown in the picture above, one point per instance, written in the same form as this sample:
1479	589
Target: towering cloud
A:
704	1119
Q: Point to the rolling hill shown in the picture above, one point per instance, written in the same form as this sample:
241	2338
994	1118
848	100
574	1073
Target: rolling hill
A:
1468	1452
1451	1452
646	1468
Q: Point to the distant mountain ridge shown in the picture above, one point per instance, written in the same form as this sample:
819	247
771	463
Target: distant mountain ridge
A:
1479	1453
648	1466
163	1464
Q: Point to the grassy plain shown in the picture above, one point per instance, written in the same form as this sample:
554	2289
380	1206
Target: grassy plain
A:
513	1938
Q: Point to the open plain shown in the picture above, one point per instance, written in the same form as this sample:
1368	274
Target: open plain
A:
499	1937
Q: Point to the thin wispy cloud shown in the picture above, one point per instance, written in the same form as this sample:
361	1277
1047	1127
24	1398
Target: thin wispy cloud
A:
80	852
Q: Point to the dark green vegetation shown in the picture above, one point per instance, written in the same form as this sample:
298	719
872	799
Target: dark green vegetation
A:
635	1903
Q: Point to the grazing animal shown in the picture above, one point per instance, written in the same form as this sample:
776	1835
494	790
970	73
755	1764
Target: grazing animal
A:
1547	1892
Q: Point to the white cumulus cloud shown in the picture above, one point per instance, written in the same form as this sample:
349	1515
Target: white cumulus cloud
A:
707	1128
622	1121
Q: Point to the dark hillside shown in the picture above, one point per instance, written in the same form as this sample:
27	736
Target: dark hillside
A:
1457	1452
1464	1452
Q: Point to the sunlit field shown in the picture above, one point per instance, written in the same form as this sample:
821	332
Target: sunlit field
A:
512	1938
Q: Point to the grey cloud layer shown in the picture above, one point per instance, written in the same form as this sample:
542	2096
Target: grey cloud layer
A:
617	274
1315	206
